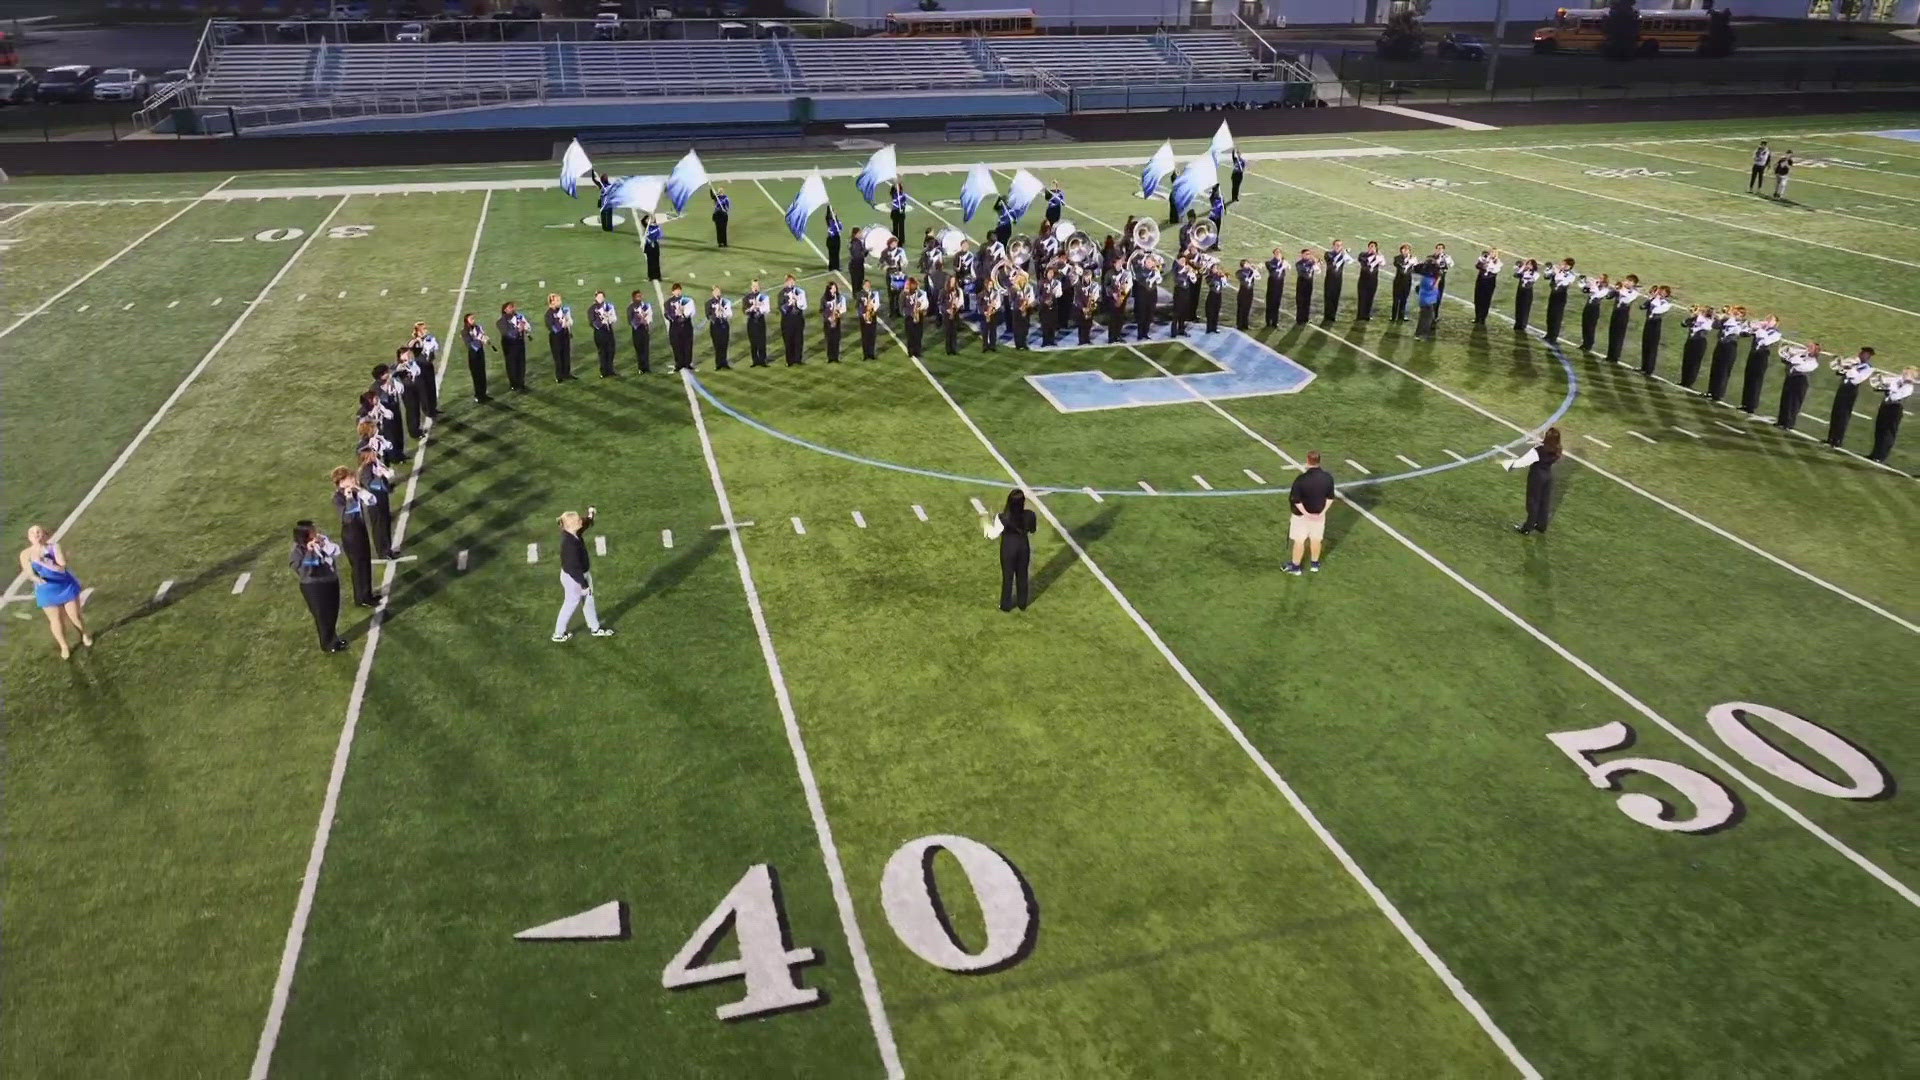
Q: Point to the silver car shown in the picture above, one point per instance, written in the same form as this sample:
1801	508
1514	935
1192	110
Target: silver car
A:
120	84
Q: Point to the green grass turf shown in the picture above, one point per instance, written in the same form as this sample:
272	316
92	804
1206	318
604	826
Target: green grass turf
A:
162	790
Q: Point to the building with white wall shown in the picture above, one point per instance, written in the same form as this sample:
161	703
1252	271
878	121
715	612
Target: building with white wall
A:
1328	12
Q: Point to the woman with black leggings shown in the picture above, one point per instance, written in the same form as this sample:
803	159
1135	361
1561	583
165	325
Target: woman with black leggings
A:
1014	527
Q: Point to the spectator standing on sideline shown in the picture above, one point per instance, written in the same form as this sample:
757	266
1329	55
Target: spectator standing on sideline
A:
1312	493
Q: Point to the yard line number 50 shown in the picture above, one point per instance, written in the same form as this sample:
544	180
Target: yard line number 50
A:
1714	805
768	963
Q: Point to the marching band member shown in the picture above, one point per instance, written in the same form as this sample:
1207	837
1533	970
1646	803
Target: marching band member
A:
1699	325
1442	262
1539	463
992	298
1276	287
1597	290
652	247
1239	172
1146	296
1186	294
1562	279
426	357
640	322
1800	363
1527	273
1173	212
601	181
1186	231
1886	420
1370	263
367	432
1766	334
954	303
1852	373
869	322
1623	297
719	326
601	317
313	564
1020	305
1118	295
893	261
833	240
1659	301
1216	281
680	328
388	415
936	284
376	479
351	500
1056	204
897	202
560	337
1046	308
757	305
793	321
1086	302
1065	279
1732	323
1757	179
856	260
1486	275
1245	277
915	304
1781	167
832	307
1403	264
514	329
1217	211
475	336
722	208
406	377
1303	270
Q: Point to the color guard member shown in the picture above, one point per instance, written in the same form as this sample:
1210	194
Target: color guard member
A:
897	203
654	235
833	240
857	260
722	209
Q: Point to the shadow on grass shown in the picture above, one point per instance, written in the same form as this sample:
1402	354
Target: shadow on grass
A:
221	572
665	577
1088	535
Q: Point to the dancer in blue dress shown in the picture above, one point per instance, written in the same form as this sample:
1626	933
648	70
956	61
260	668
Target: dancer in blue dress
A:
55	588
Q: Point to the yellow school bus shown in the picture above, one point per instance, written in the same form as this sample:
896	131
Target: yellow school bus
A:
1001	23
1573	29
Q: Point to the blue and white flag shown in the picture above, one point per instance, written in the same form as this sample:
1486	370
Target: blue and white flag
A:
573	166
1025	188
1222	143
1199	177
1159	167
813	196
688	177
640	193
881	168
976	191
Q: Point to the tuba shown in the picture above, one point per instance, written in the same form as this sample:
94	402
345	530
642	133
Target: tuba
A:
1080	249
1146	234
1202	235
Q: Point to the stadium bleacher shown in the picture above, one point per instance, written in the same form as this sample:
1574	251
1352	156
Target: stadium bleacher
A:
654	68
857	63
1090	60
243	74
1214	54
372	69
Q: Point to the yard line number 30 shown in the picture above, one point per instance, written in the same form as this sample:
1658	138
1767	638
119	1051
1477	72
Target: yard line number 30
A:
769	964
1714	805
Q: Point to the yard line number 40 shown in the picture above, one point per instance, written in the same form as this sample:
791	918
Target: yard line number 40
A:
769	965
1714	805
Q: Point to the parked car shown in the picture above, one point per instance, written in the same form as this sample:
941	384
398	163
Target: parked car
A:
120	84
227	33
1462	47
606	27
412	33
69	82
171	81
17	86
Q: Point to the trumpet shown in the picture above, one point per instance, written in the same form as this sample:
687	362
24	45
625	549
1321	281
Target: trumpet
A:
1202	235
1879	379
1839	364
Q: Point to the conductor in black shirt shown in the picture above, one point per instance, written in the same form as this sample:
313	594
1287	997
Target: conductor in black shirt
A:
314	563
1308	499
1014	527
1539	463
576	576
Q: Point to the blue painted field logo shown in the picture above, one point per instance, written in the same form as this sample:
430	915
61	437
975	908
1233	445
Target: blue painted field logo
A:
1248	368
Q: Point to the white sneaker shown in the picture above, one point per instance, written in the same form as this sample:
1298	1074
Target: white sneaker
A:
563	637
603	632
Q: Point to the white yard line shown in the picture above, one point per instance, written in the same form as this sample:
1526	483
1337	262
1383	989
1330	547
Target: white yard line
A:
829	852
1409	461
600	544
1299	806
1359	468
919	512
343	749
153	422
1689	434
1148	488
533	553
1432	117
160	593
1635	488
1255	477
240	583
116	256
1730	427
1202	481
666	538
1641	437
1597	442
799	527
859	519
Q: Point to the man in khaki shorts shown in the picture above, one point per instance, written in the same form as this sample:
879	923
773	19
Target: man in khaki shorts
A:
1312	494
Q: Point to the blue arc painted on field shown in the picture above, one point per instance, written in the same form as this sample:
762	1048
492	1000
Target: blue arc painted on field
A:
1566	404
1249	368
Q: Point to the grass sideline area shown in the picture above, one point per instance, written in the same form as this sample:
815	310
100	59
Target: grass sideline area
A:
1233	818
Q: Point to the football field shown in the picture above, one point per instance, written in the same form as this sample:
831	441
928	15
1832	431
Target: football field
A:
1623	800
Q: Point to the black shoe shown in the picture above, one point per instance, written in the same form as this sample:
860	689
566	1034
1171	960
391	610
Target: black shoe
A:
339	645
1523	529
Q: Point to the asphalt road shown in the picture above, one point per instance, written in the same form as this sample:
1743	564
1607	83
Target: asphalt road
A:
152	48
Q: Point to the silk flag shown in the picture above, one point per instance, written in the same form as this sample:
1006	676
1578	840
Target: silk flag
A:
573	166
1194	182
1021	193
1158	168
976	191
1222	143
812	196
881	168
688	177
640	193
